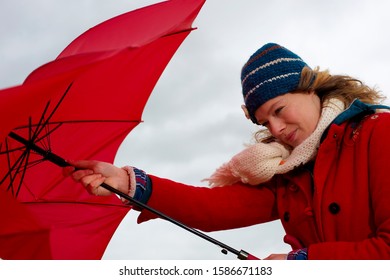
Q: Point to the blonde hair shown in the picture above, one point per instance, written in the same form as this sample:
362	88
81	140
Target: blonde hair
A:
328	86
343	87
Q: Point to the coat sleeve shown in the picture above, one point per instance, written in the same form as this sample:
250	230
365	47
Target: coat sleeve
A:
211	209
376	246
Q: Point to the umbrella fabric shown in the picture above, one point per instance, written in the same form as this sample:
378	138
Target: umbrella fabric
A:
22	236
82	105
52	231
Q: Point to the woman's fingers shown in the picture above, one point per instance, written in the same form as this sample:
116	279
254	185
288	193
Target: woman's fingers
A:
83	164
104	168
90	180
91	174
92	184
79	175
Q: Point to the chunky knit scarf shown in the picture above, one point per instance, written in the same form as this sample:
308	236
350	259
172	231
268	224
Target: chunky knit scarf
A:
260	162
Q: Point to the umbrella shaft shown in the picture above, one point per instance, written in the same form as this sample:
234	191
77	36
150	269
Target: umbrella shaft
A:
242	255
48	155
162	215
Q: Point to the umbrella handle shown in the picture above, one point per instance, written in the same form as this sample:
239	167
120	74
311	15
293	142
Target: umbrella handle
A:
59	161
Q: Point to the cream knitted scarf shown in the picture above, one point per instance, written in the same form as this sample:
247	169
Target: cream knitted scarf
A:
261	161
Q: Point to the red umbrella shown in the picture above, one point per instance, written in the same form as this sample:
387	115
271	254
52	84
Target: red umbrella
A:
89	99
81	105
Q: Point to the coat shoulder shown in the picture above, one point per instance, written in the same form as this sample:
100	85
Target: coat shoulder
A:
377	123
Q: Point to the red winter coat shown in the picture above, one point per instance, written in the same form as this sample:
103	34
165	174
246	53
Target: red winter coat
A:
342	211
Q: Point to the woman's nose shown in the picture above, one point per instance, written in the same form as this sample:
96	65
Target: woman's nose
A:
276	127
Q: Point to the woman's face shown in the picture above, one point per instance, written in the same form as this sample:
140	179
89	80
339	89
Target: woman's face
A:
291	117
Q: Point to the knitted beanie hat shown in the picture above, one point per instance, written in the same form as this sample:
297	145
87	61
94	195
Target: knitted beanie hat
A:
271	71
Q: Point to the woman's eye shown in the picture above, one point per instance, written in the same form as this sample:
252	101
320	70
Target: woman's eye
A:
264	124
278	110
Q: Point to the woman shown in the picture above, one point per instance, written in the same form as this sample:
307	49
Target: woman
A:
320	166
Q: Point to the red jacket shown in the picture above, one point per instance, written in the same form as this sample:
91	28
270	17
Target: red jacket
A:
342	211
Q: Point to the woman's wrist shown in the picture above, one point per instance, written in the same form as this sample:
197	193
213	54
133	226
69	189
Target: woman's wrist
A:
138	183
131	182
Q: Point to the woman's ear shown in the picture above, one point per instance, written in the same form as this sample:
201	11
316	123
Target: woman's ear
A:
246	112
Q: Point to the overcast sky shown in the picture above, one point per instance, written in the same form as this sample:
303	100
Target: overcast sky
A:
193	121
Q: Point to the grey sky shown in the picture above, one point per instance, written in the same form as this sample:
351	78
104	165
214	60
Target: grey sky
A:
193	120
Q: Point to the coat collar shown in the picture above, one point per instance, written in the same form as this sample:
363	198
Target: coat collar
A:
356	108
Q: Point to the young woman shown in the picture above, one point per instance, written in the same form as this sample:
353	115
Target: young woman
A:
320	165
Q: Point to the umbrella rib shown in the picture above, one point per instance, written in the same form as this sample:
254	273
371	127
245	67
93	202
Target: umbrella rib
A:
38	125
9	173
39	129
82	121
34	163
9	151
20	165
187	30
27	153
14	168
47	134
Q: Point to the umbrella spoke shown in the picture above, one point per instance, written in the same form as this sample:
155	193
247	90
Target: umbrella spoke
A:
17	167
46	136
41	120
17	170
23	169
34	163
9	173
13	171
35	130
9	151
47	120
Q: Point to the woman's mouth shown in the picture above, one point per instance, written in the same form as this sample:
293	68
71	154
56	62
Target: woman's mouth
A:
291	137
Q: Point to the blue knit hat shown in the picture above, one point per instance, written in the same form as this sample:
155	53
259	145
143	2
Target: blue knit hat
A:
271	71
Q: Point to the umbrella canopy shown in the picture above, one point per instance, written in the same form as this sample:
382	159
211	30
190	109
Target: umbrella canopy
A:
82	105
22	236
54	231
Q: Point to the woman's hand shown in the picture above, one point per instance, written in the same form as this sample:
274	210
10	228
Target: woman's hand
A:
92	174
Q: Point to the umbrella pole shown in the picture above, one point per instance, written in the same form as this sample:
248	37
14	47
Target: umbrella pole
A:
242	255
48	155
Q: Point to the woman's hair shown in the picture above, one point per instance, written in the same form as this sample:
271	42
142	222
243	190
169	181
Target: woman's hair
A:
328	86
343	87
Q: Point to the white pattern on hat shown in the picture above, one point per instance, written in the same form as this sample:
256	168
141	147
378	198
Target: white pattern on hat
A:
269	81
279	60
